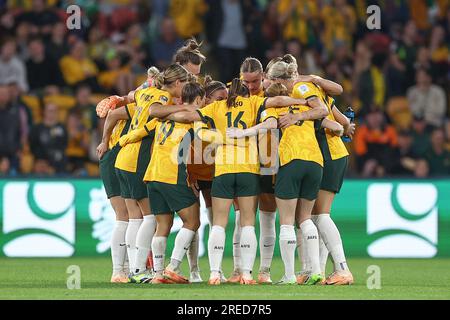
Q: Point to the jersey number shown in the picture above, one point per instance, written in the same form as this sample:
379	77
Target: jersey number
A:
166	130
237	121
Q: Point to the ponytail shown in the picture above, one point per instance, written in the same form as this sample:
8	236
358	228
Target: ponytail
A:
237	88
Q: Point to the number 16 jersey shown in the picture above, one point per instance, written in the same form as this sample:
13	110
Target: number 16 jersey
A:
234	155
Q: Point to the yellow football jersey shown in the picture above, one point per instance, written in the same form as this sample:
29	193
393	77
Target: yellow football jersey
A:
332	146
297	141
239	155
135	157
122	126
171	147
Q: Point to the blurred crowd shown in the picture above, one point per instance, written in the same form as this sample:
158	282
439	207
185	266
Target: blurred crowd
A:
395	78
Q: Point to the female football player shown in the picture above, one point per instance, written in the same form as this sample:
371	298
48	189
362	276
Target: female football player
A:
133	159
201	172
112	188
236	169
252	75
335	161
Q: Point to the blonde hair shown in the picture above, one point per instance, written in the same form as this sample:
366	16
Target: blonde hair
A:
276	89
152	72
282	70
173	73
287	58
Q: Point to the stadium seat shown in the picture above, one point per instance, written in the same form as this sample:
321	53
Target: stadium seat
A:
398	110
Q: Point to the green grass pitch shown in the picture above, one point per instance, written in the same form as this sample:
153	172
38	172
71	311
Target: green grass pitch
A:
46	279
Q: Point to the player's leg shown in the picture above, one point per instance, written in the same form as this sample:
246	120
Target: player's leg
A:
113	192
309	234
144	236
332	180
236	275
118	245
134	222
192	253
248	242
287	188
247	191
286	208
206	194
191	222
164	222
267	235
216	241
134	214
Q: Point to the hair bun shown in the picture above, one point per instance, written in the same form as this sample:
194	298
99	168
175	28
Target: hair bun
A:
207	80
192	45
289	58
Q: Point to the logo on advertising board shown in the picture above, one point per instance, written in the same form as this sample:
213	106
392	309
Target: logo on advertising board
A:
38	219
403	219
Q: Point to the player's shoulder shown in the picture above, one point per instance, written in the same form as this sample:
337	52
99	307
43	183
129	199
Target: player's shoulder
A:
158	95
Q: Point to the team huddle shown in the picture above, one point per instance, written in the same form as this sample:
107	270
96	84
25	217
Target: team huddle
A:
268	140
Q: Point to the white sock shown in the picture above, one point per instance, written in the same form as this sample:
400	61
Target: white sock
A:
192	254
130	240
236	241
332	239
144	242
159	250
301	251
249	246
323	251
267	237
182	242
209	213
118	246
310	237
287	247
216	245
126	264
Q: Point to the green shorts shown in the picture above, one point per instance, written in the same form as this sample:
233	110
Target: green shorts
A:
204	184
298	179
333	174
132	185
267	183
108	173
232	185
169	198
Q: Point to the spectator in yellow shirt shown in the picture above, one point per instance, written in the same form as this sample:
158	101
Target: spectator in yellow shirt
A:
115	78
340	23
78	68
296	18
188	16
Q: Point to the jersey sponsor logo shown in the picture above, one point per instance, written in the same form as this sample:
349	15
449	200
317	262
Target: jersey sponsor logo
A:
38	219
402	220
303	88
263	114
